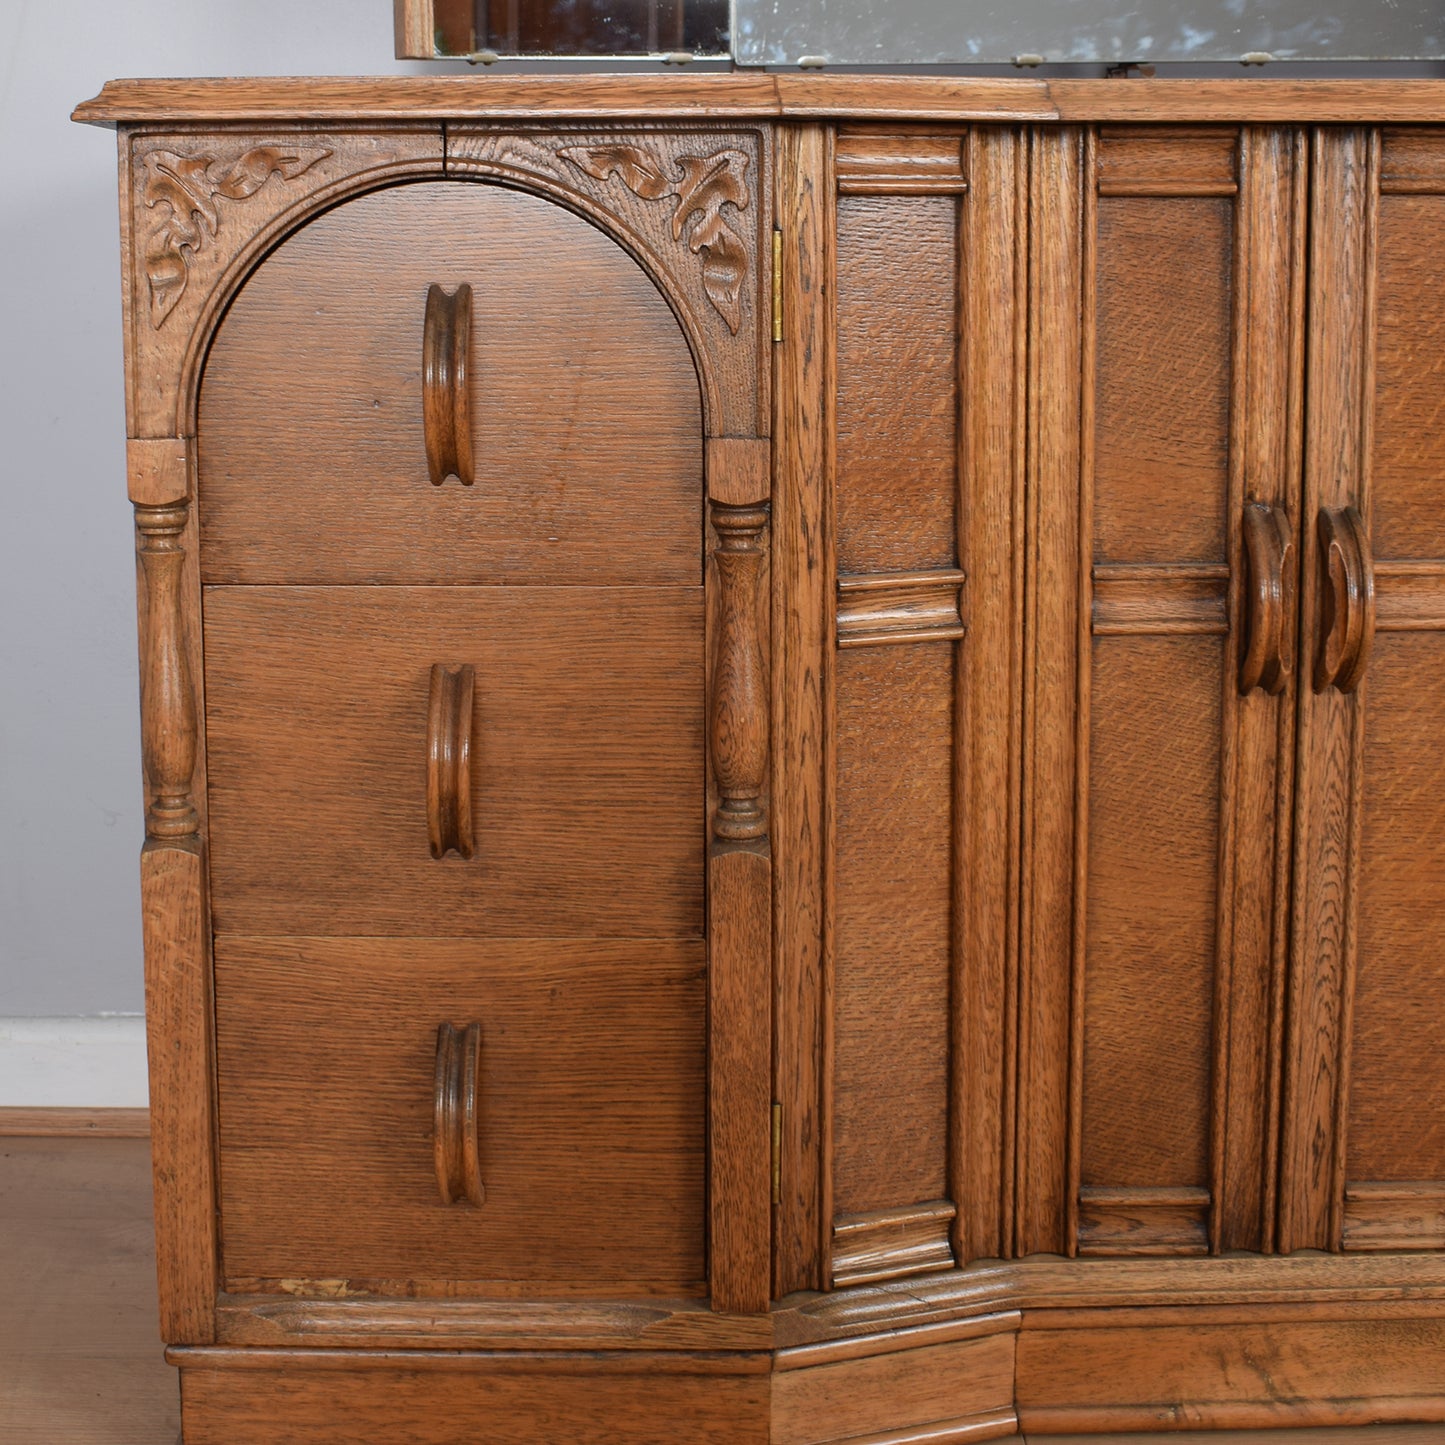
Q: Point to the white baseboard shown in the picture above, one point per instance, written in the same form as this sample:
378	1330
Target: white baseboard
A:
73	1063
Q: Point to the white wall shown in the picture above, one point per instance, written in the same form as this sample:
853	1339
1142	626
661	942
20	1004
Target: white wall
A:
70	796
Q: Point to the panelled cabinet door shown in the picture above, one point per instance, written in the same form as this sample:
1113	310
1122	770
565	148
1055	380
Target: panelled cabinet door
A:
1364	1157
923	611
450	507
1164	533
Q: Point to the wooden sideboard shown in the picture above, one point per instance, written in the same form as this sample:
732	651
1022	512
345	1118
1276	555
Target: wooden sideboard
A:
793	731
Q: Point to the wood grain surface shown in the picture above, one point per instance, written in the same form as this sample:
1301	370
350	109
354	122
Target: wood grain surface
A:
893	946
79	1334
803	580
897	397
591	1116
800	97
586	430
1101	912
587	760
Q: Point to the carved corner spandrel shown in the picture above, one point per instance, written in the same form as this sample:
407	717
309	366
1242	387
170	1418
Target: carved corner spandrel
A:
200	206
693	206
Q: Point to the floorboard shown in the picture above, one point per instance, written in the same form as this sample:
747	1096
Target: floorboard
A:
80	1357
80	1353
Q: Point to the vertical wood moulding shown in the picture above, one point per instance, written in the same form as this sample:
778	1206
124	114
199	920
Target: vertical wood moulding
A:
983	1061
1329	750
739	899
802	573
1256	741
1363	498
174	895
1084	654
1240	376
1287	717
1050	691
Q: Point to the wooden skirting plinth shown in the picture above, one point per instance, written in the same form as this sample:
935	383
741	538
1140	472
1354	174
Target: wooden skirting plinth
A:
17	1123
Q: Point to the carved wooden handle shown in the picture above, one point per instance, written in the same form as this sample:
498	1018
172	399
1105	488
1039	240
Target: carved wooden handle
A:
449	760
456	1145
446	339
1272	570
1347	600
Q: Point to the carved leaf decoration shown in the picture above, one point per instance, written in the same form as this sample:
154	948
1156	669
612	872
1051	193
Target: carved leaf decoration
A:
641	173
184	189
707	184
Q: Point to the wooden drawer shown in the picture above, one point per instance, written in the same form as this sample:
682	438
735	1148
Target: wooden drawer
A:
587	786
583	399
590	1115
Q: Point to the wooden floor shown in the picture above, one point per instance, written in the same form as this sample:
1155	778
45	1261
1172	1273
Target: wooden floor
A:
80	1354
80	1359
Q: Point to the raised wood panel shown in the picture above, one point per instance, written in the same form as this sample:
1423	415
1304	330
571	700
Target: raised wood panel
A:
892	1243
1397	1078
876	161
312	393
1163	319
892	928
587	761
897	379
1167	162
899	1394
1407	521
591	1116
400	1398
1143	1221
1409	1215
1164	1370
1396	1122
1154	763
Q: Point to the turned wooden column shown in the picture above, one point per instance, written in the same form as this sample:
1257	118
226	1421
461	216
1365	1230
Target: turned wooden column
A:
739	708
168	703
740	1099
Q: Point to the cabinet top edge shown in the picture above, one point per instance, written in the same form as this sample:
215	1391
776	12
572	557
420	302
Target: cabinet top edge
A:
339	100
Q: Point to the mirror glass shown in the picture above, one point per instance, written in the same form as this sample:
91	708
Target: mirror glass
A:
581	27
962	32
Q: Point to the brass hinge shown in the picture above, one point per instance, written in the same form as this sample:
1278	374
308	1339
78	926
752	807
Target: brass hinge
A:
777	1153
777	285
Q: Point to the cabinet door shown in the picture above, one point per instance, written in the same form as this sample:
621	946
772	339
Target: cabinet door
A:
896	493
1364	1157
1159	685
456	764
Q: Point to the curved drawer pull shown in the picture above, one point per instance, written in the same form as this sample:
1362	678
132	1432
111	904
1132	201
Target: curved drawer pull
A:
449	759
446	339
456	1146
1347	600
1271	572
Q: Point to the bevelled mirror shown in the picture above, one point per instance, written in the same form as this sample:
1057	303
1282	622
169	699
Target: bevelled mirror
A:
481	29
926	32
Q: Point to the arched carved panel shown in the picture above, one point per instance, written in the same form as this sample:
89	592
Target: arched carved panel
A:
694	207
201	209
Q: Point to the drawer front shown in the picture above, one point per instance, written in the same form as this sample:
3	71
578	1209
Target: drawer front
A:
582	397
587	785
589	1116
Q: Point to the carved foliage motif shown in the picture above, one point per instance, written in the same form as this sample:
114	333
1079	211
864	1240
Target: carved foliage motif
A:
185	191
706	185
